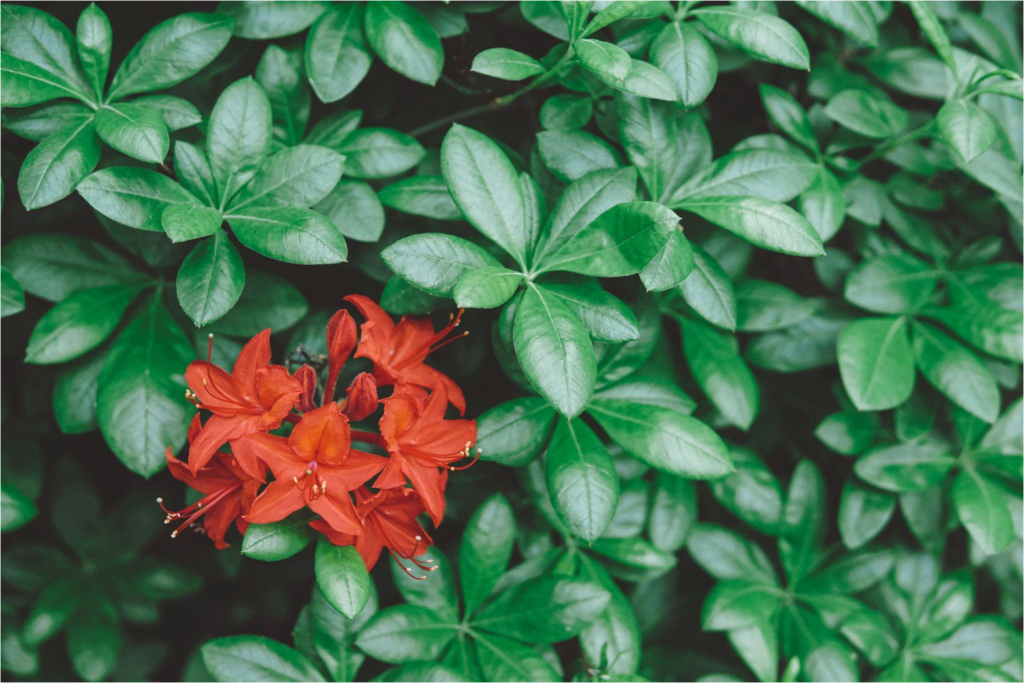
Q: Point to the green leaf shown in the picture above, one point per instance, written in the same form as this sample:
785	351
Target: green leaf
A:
688	60
37	123
508	65
514	432
867	113
279	72
667	146
767	173
355	210
210	279
752	492
991	329
582	480
379	153
876	362
863	513
255	658
608	62
404	40
984	510
663	438
671	266
982	640
175	112
299	176
786	113
621	241
897	283
52	266
758	34
95	39
289	234
809	344
337	57
967	128
275	19
423	196
437	592
823	204
762	222
78	324
855	19
75	395
238	136
803	521
543	610
763	305
709	292
647	80
485	551
726	555
572	154
932	27
94	643
184	222
277	540
485	187
25	84
582	202
487	287
911	466
16	509
847	432
502	659
721	372
956	372
135	130
342	577
605	317
738	604
555	351
173	51
673	512
11	293
135	197
140	389
612	12
58	164
406	633
566	112
434	262
31	35
192	168
333	635
267	301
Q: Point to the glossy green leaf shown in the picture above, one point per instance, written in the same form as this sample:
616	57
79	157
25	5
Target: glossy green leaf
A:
289	234
337	57
210	279
404	40
876	362
486	550
758	34
581	478
78	324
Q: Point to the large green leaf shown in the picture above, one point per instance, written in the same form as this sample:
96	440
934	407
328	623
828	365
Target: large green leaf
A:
434	262
289	234
721	372
581	478
342	577
58	164
759	34
763	222
135	197
544	610
876	362
238	136
337	57
404	40
256	658
135	130
210	279
485	551
78	324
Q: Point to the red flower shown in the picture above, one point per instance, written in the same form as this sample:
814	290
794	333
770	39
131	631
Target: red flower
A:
341	341
398	351
313	467
420	441
361	397
229	491
255	397
389	519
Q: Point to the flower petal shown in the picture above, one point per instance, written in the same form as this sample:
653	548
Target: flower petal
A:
254	356
322	435
280	499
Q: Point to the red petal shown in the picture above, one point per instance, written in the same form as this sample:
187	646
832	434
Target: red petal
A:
280	499
254	356
273	450
273	385
357	469
341	340
429	483
215	433
322	435
217	390
335	507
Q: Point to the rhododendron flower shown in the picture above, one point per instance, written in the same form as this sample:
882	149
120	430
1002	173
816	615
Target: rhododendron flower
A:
255	397
389	519
361	397
420	442
313	467
229	491
398	351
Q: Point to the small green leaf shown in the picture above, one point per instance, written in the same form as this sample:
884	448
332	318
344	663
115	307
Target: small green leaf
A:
342	577
434	262
135	130
876	362
255	658
762	222
487	287
508	65
485	551
337	57
289	234
210	279
404	40
78	324
867	113
582	480
758	34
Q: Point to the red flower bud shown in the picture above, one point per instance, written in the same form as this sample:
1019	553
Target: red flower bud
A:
362	397
341	341
307	378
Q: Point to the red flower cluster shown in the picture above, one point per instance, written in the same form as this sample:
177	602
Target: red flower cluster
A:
315	466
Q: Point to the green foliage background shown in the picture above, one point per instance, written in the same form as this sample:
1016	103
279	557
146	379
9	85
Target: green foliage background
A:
744	290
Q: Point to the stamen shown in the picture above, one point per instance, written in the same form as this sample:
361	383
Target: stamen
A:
465	452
